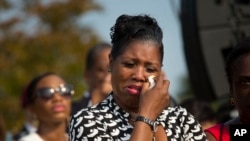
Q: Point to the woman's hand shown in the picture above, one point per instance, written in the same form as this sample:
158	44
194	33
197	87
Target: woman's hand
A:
154	100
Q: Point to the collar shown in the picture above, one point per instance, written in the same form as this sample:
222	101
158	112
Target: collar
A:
117	110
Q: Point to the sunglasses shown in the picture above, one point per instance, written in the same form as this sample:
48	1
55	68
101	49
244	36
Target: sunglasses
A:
64	90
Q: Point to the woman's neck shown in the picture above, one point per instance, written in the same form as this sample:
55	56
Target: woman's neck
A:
52	132
96	97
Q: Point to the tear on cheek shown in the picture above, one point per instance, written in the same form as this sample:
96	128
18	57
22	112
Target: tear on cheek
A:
151	81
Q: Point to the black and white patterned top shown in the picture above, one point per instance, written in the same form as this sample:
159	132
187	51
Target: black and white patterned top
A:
108	122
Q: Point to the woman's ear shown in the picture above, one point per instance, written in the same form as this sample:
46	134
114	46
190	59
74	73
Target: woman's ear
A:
87	76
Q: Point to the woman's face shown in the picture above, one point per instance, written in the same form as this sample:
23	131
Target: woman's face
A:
98	77
131	69
54	109
241	86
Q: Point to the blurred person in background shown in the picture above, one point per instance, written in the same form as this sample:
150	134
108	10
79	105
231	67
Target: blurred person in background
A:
238	75
30	123
49	100
202	111
5	135
2	129
96	76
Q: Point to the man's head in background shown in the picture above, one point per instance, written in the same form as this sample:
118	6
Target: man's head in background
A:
96	72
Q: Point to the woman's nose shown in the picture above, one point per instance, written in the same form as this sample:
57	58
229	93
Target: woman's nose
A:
139	74
57	96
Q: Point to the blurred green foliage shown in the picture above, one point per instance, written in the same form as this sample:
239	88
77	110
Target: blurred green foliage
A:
56	43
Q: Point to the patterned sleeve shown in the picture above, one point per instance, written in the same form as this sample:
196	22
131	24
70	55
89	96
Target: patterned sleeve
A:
84	126
75	128
191	127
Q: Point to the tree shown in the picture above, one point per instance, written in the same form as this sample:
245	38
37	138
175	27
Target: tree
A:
40	36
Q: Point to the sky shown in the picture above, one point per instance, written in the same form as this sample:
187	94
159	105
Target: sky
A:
165	12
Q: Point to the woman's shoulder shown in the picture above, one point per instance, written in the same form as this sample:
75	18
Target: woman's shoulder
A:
31	137
106	107
87	111
95	112
176	110
178	122
176	113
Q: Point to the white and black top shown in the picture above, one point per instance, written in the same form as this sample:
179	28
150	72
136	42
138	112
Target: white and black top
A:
108	122
31	137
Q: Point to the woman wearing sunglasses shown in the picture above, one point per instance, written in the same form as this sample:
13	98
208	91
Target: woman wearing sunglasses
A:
49	99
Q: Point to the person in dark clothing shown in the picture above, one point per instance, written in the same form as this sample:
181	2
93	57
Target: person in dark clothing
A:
96	76
238	76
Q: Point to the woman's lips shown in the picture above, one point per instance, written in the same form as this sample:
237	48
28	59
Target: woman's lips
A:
58	108
134	90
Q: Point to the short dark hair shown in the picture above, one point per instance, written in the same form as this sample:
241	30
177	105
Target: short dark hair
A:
91	55
240	49
129	28
28	96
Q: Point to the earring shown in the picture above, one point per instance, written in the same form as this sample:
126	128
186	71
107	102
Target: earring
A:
34	121
232	101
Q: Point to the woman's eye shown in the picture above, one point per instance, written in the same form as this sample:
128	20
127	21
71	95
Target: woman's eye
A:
151	70
129	65
245	82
